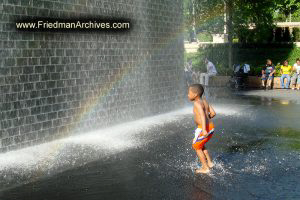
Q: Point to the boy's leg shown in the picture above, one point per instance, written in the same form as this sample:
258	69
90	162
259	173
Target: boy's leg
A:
271	79
202	158
202	154
269	83
208	158
263	80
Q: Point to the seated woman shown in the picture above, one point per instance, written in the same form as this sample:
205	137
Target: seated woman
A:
296	76
285	71
267	74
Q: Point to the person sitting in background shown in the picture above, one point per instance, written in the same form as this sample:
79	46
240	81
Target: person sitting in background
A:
267	74
285	71
188	73
296	77
211	71
194	76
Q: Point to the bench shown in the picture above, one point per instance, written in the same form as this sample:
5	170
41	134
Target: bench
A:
253	81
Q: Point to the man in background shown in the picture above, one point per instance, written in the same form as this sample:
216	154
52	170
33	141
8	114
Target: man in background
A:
211	71
188	72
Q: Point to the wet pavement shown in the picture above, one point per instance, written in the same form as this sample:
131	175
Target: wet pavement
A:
255	148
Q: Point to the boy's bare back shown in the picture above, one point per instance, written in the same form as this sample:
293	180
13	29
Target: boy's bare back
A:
203	109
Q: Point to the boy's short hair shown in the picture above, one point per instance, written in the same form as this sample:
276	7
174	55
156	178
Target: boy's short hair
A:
197	88
298	59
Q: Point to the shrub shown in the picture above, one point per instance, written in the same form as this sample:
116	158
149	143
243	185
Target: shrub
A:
277	68
255	71
253	54
204	37
296	34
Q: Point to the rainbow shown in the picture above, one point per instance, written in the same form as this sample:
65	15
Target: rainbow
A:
100	93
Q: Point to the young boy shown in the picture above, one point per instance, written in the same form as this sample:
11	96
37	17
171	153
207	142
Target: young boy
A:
268	74
203	113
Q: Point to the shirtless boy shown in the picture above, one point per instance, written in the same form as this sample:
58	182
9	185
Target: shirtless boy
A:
203	112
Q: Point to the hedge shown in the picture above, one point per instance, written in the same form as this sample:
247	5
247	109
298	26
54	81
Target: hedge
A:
253	54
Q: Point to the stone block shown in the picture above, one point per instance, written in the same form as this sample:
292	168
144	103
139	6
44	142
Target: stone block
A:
47	79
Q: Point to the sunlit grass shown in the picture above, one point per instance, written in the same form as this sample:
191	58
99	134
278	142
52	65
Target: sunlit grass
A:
292	136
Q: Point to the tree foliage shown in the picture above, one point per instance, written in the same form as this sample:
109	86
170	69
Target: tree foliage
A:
208	15
285	8
252	21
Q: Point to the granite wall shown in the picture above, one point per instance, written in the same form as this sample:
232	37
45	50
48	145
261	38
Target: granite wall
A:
54	84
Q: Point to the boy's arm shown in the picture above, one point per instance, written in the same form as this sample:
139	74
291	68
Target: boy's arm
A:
212	112
271	74
202	121
210	109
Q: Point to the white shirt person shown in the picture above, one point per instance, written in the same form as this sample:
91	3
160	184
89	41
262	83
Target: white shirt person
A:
211	71
296	76
297	67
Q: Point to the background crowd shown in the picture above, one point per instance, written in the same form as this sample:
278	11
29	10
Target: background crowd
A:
288	72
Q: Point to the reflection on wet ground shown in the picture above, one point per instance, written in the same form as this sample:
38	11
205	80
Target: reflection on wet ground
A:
255	149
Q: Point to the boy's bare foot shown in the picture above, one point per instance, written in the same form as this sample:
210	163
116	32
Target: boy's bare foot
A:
210	165
201	170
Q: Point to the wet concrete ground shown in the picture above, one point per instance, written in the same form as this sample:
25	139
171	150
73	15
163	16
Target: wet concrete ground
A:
283	94
255	147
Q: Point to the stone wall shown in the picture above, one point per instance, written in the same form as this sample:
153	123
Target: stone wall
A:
54	84
253	81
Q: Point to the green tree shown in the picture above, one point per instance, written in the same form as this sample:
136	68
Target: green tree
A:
287	10
251	20
209	15
205	15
